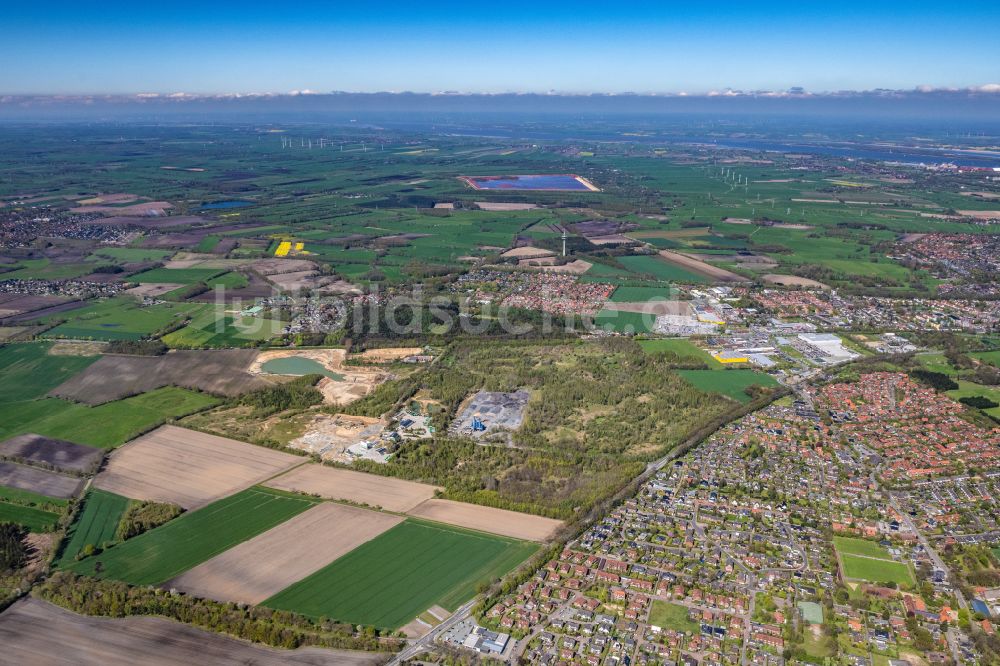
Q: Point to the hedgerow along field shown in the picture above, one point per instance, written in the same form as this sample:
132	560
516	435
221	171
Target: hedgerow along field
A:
104	426
391	579
171	549
95	524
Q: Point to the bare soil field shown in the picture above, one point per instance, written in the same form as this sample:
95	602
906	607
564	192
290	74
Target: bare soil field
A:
147	222
15	304
701	267
152	290
500	206
119	198
674	233
151	641
356	382
188	468
388	354
197	260
265	565
44	312
611	239
39	481
488	519
653	307
151	208
981	214
76	348
527	252
112	377
358	487
575	267
56	452
793	281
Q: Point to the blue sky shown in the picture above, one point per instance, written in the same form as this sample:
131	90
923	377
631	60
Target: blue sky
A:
500	46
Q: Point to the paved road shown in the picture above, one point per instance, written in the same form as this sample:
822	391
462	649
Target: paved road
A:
419	645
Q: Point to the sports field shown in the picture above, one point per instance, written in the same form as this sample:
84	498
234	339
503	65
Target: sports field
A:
866	560
194	537
95	524
731	383
391	579
876	571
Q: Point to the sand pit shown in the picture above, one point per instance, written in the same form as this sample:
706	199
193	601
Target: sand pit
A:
488	519
189	468
350	383
793	281
388	354
701	267
329	436
265	565
358	487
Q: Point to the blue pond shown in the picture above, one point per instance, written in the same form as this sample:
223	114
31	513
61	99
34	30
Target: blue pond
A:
214	205
529	182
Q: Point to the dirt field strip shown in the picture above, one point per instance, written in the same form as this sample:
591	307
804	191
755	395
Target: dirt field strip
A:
488	519
341	484
265	565
189	468
793	281
151	641
56	452
701	267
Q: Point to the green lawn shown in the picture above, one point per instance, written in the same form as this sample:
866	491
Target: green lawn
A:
34	519
104	426
991	357
728	382
185	542
28	371
876	571
391	579
666	615
854	546
95	524
682	347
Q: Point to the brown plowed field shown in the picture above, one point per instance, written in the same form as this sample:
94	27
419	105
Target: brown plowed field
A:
28	628
342	484
221	372
265	565
55	452
700	267
488	519
189	468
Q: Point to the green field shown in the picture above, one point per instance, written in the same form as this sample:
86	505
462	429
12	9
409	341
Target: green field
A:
991	357
659	268
627	294
970	389
122	318
683	348
391	579
666	615
106	425
876	571
95	524
853	546
128	254
624	322
28	371
169	550
36	520
211	329
176	275
728	382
